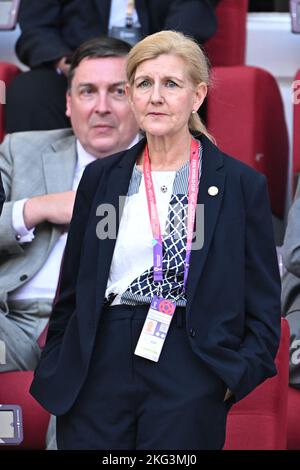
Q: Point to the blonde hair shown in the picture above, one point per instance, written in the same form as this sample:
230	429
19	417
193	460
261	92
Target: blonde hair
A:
172	42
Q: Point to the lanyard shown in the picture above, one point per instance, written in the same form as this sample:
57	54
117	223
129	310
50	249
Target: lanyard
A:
129	13
153	213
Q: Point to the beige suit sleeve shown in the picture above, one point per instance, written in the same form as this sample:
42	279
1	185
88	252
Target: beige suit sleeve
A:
8	241
291	245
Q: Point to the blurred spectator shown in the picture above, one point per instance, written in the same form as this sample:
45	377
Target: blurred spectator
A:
291	286
51	31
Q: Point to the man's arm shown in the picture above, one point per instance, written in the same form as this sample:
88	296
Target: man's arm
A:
41	41
54	208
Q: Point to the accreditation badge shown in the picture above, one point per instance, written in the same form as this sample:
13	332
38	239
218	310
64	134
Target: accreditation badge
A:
155	328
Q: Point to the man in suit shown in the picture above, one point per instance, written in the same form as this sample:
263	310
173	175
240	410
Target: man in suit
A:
291	286
51	31
41	171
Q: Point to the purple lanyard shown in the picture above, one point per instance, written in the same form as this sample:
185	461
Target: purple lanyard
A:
153	213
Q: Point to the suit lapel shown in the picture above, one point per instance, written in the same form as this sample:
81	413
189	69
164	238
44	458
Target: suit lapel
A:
103	6
117	182
59	165
212	175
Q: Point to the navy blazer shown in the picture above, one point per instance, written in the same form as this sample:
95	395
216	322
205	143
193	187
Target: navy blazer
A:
2	195
233	288
52	29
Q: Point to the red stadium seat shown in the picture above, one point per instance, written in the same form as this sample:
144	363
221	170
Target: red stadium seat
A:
293	425
245	110
14	390
259	421
227	46
7	73
296	130
245	115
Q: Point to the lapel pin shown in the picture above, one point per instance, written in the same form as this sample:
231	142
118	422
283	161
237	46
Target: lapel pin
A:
213	190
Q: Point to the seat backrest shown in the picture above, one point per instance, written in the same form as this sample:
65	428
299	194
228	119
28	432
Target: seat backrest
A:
293	425
259	421
245	115
14	390
7	73
228	45
296	130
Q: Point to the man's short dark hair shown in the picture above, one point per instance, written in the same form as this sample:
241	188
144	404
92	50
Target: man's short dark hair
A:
97	48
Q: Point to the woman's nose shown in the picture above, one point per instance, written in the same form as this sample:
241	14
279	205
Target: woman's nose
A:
156	95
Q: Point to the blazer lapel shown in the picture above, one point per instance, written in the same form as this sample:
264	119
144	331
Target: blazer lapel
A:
59	165
117	183
212	175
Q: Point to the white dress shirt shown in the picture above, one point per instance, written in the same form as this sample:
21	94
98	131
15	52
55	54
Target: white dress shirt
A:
43	284
133	253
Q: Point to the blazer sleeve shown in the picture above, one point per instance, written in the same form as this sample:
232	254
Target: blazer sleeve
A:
66	301
8	242
2	194
262	295
41	41
291	244
195	18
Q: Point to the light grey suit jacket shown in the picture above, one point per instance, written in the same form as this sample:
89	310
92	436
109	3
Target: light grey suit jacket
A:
291	259
291	286
32	164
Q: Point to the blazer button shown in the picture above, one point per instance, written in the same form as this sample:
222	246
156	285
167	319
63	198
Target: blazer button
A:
23	277
192	332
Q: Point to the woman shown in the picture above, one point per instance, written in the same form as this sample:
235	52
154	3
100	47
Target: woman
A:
157	333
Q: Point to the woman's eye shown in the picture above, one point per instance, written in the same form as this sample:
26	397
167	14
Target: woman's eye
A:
144	84
171	84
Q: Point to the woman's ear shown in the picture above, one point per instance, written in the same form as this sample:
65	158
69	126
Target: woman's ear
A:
201	92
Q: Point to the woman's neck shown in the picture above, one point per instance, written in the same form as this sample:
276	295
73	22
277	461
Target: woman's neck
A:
168	153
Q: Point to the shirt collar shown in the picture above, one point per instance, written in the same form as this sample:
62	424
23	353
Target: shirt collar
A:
84	158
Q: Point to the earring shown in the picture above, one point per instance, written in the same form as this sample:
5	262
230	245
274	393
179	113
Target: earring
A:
193	112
